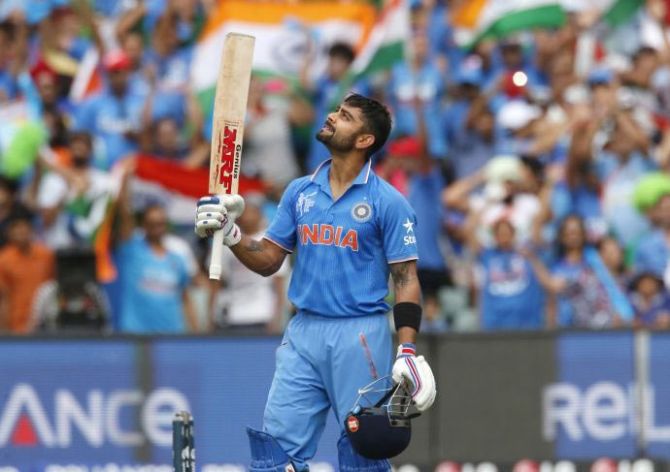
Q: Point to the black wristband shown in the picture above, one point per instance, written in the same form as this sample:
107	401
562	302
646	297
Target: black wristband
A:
407	314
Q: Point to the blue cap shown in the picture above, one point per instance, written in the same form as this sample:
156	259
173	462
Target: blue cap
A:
600	76
469	75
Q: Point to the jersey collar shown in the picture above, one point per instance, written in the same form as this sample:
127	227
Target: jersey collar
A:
320	175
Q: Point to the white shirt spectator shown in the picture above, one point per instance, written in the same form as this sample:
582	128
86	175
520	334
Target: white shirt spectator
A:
248	298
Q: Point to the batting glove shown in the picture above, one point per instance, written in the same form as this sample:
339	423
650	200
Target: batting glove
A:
417	372
219	213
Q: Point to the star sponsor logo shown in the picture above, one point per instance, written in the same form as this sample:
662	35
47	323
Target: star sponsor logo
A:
361	212
409	237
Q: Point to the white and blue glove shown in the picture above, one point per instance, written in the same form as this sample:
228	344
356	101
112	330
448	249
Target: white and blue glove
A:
219	212
417	372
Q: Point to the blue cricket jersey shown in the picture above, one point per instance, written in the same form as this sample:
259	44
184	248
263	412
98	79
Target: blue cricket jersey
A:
344	247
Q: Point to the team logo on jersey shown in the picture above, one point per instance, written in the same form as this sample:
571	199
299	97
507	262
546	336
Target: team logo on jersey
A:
305	202
361	212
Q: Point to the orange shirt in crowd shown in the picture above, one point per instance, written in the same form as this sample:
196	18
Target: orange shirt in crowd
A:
21	274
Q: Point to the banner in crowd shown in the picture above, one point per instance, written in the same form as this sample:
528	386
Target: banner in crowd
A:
289	33
476	20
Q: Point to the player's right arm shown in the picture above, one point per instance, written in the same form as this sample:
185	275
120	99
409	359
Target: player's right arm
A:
263	257
219	213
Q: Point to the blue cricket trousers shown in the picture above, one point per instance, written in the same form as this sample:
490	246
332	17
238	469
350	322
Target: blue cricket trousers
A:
321	363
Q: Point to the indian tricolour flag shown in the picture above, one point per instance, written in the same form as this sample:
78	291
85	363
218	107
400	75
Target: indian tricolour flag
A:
476	20
287	31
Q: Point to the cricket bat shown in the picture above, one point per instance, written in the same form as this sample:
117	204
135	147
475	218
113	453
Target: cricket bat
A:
230	106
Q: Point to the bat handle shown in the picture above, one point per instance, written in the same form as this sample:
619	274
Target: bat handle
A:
217	255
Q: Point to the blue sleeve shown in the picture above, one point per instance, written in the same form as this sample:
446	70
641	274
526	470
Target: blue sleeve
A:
184	277
282	230
84	119
398	222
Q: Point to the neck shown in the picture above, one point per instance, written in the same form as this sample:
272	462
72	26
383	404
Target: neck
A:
156	244
344	170
574	255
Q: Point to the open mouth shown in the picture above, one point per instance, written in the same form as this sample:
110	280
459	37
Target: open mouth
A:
327	127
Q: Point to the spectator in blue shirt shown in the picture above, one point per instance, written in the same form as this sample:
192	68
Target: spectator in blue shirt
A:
588	294
510	294
9	87
113	116
653	250
469	122
650	301
418	80
154	276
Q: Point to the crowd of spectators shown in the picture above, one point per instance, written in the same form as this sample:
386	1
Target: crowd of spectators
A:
538	165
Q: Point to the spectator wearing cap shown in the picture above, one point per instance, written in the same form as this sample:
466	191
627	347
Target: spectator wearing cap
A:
112	117
414	92
24	266
245	302
516	123
468	121
650	301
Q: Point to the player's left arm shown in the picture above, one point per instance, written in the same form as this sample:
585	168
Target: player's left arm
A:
398	222
407	291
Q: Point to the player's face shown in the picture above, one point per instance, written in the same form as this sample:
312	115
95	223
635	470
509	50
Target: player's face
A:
342	129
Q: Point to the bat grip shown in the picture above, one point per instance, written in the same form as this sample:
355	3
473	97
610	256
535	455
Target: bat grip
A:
217	255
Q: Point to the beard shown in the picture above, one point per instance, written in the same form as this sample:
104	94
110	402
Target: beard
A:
334	142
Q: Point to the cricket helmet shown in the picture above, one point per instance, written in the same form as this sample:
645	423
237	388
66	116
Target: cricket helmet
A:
379	425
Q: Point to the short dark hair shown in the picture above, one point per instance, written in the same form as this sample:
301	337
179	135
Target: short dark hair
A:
20	215
343	50
376	119
11	185
80	135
